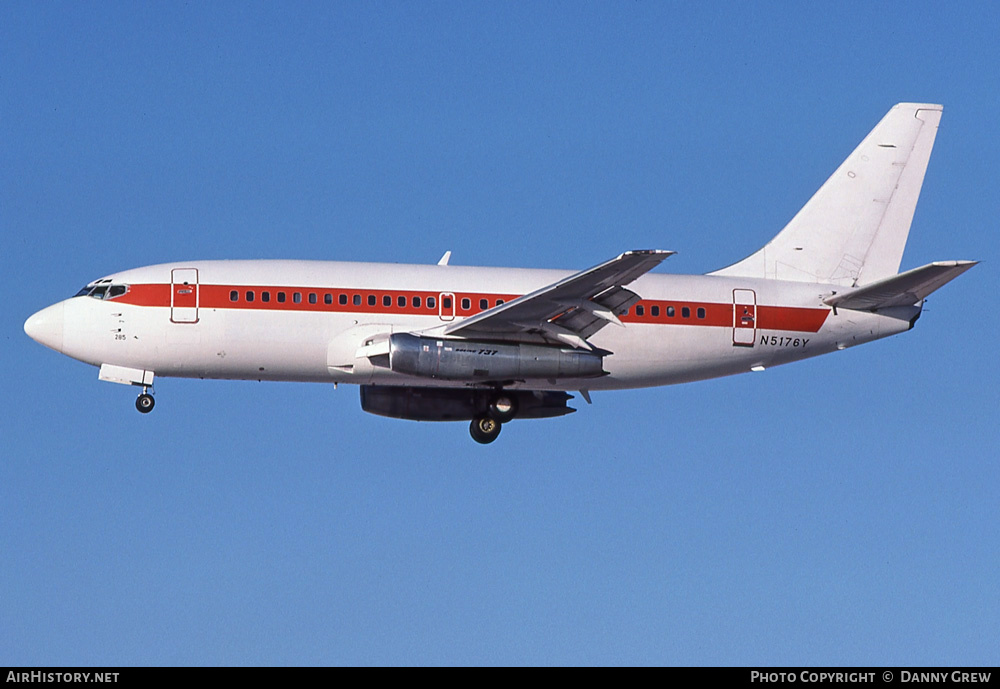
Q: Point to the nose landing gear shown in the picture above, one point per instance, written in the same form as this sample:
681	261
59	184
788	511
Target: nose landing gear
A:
144	402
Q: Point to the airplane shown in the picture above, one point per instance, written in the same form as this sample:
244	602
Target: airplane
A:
490	345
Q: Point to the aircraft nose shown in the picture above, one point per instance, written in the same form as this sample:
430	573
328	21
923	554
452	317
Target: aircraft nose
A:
46	327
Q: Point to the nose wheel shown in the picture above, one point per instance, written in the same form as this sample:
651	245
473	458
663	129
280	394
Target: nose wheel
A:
485	429
144	402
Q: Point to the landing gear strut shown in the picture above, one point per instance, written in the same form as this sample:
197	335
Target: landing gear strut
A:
144	402
485	429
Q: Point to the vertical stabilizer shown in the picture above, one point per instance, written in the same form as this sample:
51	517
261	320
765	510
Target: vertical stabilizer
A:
853	230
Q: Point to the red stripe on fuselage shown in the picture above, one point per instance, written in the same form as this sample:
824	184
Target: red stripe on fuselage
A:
791	318
146	295
787	318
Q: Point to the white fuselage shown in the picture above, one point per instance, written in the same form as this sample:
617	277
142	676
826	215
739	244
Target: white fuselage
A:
209	319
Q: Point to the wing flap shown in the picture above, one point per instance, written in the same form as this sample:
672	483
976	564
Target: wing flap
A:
569	310
586	320
904	289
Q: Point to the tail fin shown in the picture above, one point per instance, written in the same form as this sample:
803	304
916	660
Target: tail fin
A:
853	230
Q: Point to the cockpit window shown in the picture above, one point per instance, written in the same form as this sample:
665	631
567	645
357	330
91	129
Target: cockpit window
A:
102	290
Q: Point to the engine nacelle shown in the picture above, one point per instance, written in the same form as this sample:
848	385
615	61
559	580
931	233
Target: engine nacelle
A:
457	404
429	357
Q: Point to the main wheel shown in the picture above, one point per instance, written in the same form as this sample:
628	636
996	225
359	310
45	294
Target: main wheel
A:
484	429
144	403
503	408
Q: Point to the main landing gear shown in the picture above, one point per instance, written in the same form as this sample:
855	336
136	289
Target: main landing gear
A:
144	402
486	427
503	408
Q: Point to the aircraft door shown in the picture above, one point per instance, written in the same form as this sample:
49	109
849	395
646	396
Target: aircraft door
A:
744	317
446	306
184	295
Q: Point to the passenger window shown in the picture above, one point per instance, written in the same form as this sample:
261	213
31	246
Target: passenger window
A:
701	312
371	300
343	299
640	311
400	301
265	296
234	296
297	297
484	304
357	300
416	302
249	295
281	297
685	312
499	301
431	301
312	297
466	304
654	311
327	298
670	312
386	301
446	302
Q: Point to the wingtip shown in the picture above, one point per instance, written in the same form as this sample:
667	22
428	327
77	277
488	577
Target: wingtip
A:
648	252
955	264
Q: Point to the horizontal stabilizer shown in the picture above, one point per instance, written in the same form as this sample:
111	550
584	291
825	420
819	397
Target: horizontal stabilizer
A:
904	289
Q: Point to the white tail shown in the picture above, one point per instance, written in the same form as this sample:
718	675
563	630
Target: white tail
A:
853	230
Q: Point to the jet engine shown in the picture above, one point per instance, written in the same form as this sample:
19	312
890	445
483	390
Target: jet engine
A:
444	359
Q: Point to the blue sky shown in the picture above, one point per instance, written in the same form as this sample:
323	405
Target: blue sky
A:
842	510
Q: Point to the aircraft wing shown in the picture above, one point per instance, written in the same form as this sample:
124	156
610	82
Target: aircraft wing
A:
904	289
568	311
